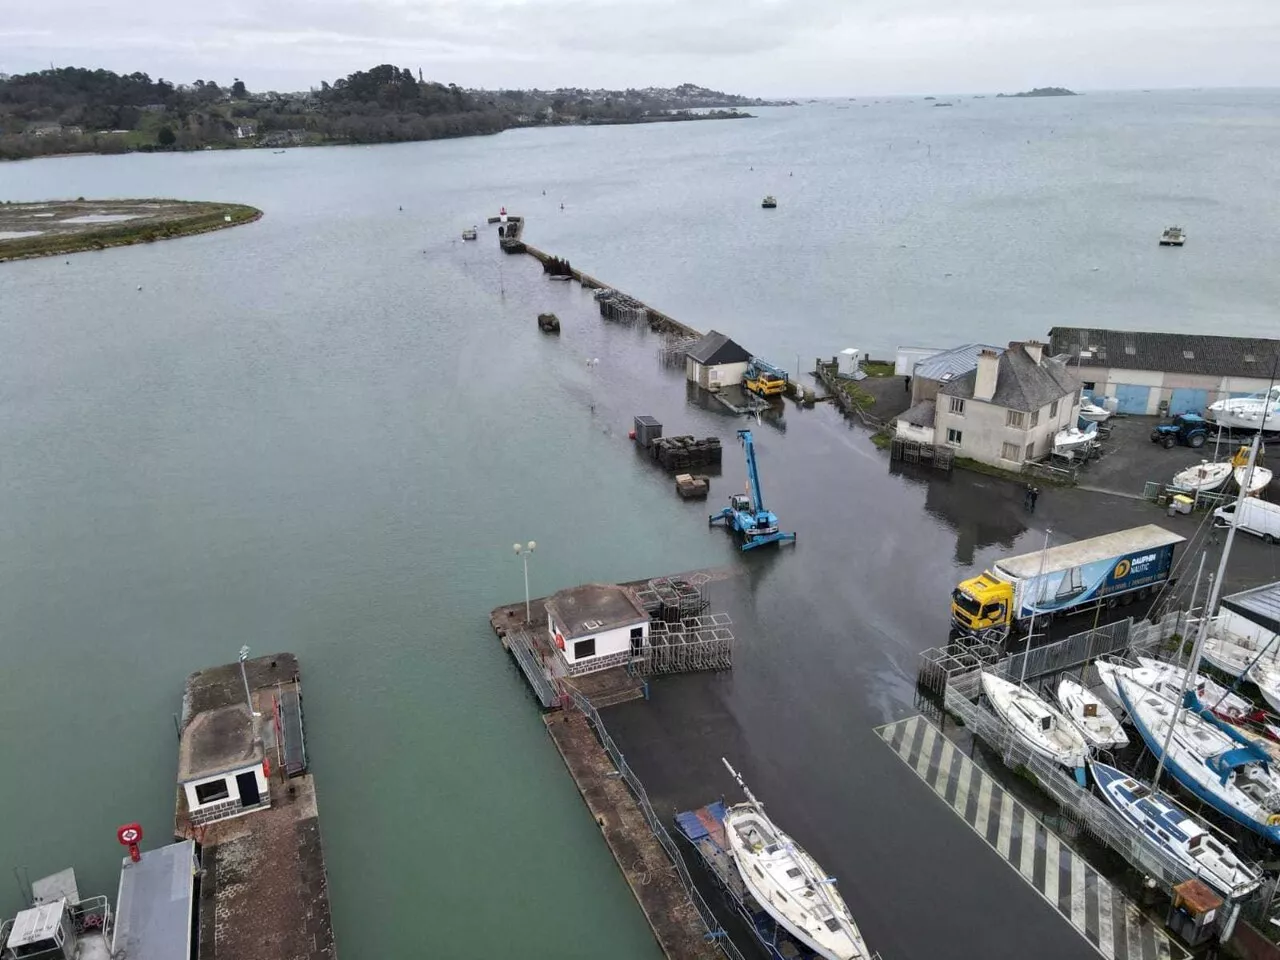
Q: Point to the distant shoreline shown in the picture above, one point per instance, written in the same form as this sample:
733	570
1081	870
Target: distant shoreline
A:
58	228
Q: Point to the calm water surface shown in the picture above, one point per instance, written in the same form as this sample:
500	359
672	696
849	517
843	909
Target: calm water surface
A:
324	431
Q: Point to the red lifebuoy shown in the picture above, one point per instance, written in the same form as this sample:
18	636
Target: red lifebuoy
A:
129	834
559	640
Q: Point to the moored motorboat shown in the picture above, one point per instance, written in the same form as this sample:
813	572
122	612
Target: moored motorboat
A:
469	233
1221	766
1042	728
1261	411
1173	237
788	883
1092	717
769	203
1204	477
1168	827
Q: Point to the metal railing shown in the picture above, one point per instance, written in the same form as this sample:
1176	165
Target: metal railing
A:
714	932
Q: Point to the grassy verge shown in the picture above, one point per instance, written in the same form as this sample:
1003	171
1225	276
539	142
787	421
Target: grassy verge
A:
877	368
882	438
178	219
857	395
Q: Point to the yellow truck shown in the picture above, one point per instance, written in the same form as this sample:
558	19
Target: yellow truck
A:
1077	577
764	379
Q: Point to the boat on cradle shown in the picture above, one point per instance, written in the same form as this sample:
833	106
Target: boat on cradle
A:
1092	717
769	203
1204	477
1167	826
1172	237
1074	440
1217	763
1165	679
469	234
1261	411
1043	729
1265	675
1230	657
1252	481
788	883
1094	413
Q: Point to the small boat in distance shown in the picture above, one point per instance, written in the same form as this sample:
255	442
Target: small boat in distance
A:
1173	830
469	233
788	883
1092	717
1040	727
1172	237
769	203
1204	477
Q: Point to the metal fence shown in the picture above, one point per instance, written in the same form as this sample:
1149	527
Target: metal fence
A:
714	931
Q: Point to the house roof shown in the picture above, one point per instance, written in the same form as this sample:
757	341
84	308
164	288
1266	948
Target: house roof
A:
219	741
1167	352
1021	383
716	348
950	364
921	415
1261	605
593	607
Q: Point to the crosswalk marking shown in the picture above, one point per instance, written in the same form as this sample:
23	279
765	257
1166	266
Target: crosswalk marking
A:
1095	909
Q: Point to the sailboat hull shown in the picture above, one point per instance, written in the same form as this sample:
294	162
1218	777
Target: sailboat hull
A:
1042	729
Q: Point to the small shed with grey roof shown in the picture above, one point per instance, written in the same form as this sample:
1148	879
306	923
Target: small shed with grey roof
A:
715	361
222	763
1165	373
916	423
596	626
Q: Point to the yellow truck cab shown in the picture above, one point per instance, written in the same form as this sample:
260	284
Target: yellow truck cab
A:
766	384
981	604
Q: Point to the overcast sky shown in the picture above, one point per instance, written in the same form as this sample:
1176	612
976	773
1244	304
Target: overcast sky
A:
757	47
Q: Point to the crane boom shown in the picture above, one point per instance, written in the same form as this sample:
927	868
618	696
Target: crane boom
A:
753	475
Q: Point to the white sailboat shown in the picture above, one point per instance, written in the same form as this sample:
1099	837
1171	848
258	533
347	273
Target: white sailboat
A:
1166	679
1092	717
788	884
1265	675
1223	768
1165	825
1204	477
1261	411
1039	726
1254	481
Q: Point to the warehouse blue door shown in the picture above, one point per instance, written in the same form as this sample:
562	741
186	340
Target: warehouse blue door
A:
1131	398
1186	400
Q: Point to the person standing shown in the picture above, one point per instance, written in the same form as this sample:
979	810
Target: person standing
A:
1035	495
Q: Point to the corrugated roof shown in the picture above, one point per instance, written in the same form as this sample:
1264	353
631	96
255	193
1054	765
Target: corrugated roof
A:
715	348
1167	352
921	415
1260	605
952	363
1021	383
155	903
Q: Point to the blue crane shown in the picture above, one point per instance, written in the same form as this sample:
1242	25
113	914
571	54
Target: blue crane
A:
746	514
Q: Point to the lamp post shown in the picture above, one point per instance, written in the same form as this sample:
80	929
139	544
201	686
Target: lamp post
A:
523	554
244	655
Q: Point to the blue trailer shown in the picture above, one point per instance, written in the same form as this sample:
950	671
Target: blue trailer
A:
704	829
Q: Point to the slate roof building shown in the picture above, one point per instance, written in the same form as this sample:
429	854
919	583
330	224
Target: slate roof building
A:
1165	373
715	361
1007	409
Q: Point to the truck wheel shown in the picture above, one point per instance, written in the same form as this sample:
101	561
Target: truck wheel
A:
1168	442
1196	440
1268	538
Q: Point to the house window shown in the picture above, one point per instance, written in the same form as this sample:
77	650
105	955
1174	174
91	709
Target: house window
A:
1130	349
211	791
1031	450
1250	358
1035	418
1015	418
584	648
957	406
1188	355
954	436
1009	451
637	640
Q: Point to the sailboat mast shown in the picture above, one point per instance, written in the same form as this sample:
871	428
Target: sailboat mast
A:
1031	626
1186	679
745	789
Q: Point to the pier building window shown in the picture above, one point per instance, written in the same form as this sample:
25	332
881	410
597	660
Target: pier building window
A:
957	406
1009	451
1053	407
1015	418
211	791
954	436
584	648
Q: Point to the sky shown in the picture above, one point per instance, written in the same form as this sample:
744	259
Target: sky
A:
755	47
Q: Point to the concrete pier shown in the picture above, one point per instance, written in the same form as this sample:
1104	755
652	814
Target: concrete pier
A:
264	892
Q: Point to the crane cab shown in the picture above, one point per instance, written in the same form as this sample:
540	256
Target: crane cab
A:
740	503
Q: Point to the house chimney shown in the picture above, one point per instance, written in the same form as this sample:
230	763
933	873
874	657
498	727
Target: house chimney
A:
984	387
1035	350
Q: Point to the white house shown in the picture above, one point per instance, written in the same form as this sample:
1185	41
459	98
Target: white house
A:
222	765
596	626
1007	409
1165	373
917	422
715	361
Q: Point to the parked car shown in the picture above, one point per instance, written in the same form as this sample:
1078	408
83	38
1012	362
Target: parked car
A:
1259	517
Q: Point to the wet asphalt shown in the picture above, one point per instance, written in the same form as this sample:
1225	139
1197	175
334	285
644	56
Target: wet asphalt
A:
828	635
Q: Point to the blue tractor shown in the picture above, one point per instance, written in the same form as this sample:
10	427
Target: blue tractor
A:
1186	428
746	514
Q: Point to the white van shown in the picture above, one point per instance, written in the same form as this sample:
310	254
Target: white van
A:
1256	516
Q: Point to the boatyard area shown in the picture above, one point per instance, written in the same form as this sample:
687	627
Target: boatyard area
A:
246	796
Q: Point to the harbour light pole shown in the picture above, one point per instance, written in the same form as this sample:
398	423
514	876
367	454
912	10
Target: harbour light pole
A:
523	554
244	655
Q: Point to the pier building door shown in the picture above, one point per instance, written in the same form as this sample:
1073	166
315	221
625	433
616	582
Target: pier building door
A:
248	785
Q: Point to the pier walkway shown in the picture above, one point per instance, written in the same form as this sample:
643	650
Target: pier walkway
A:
1094	908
